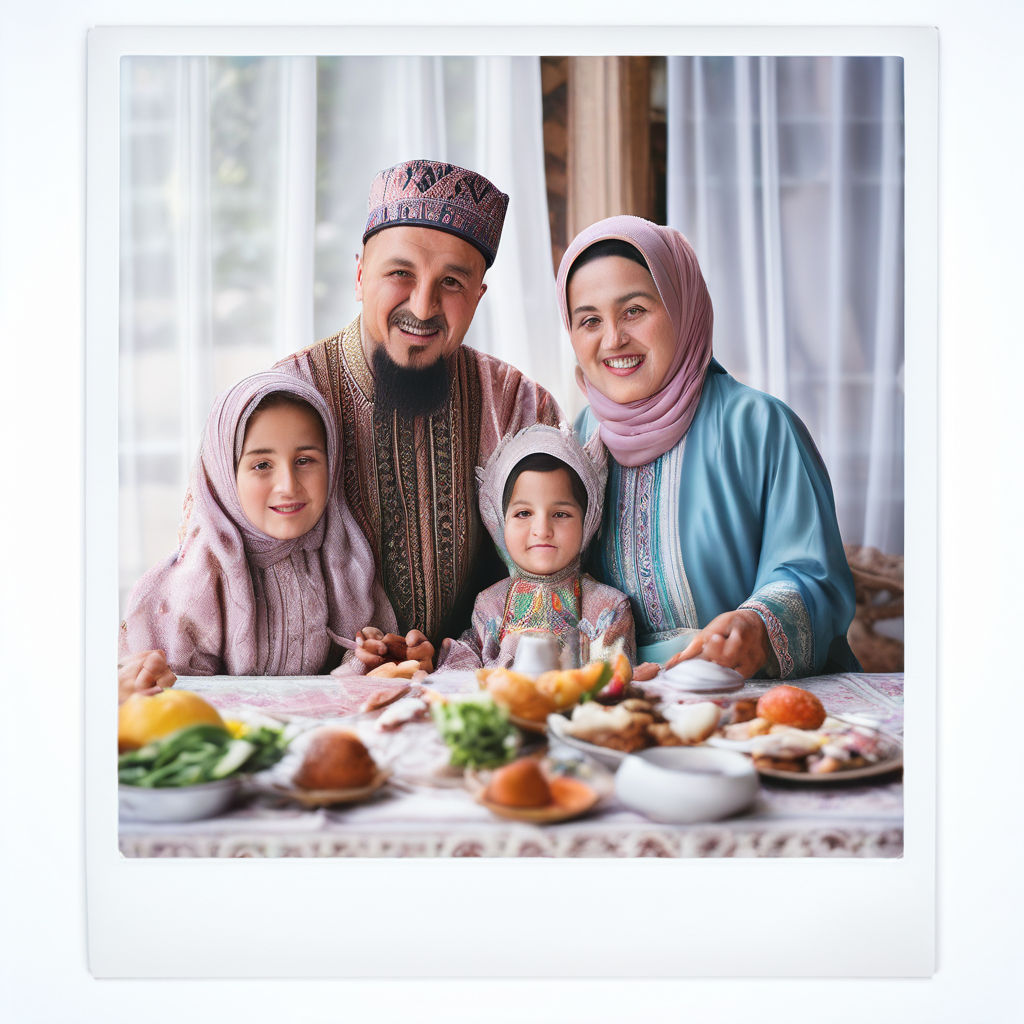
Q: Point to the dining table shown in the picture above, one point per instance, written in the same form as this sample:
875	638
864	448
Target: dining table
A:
426	808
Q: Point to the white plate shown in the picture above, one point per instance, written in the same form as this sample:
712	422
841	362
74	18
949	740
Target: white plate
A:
869	771
699	676
891	761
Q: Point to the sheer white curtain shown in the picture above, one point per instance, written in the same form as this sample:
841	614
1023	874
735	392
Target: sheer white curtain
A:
786	174
243	199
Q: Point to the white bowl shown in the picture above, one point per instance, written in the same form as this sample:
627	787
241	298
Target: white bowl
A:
686	784
176	803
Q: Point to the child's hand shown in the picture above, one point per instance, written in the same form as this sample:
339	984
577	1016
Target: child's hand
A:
374	648
371	650
419	648
147	673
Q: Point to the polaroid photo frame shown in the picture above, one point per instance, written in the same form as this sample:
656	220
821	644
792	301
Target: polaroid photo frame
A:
525	918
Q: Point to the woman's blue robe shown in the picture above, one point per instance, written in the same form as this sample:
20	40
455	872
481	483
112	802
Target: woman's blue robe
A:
739	514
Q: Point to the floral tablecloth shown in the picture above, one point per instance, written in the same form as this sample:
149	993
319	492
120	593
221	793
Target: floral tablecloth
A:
419	814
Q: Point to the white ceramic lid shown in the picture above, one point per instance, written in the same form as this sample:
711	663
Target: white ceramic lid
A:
700	676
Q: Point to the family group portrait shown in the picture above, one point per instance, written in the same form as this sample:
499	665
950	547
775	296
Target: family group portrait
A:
510	456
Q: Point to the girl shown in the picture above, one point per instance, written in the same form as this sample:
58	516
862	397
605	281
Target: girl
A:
272	562
541	495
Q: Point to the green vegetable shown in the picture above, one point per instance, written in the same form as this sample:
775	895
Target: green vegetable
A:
200	753
270	746
478	732
236	754
189	738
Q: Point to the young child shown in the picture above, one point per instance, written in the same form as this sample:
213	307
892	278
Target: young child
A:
541	496
272	561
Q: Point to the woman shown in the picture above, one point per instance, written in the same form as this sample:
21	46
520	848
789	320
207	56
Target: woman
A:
272	563
719	516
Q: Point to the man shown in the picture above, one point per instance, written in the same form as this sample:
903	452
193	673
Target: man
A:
419	410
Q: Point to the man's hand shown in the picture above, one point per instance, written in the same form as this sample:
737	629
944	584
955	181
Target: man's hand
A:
737	640
147	673
374	648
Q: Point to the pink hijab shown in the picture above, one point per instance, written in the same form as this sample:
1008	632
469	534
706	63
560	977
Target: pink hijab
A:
639	432
236	600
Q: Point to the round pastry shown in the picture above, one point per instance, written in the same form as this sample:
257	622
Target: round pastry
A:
789	705
519	784
335	759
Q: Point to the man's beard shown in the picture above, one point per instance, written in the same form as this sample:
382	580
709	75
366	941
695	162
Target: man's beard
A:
409	391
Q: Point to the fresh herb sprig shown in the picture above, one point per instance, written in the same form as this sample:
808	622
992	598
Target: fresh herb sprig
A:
477	731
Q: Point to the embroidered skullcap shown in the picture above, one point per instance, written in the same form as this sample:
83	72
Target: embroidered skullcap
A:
432	194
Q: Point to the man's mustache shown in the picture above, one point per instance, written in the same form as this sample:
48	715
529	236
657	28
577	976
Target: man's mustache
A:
406	321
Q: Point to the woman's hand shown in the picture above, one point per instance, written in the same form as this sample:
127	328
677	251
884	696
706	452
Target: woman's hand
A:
737	640
147	673
374	648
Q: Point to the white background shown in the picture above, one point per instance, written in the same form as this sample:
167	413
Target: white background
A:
43	973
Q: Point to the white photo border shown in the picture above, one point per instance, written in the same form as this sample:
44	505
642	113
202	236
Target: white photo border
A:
492	917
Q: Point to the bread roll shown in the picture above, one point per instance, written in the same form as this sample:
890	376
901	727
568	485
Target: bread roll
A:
519	784
790	705
335	759
393	670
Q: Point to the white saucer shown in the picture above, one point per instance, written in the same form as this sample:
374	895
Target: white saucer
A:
700	676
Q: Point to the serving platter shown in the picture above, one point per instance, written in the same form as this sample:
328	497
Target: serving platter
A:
868	771
891	760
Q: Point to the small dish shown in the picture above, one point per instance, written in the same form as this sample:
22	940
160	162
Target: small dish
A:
576	788
177	803
327	797
686	784
699	676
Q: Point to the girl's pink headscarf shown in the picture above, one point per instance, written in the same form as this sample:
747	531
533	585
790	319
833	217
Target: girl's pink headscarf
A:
638	432
237	600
